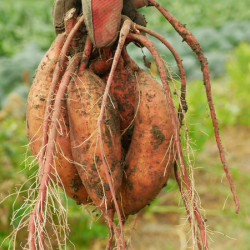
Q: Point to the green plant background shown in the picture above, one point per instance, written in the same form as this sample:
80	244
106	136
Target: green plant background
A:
222	28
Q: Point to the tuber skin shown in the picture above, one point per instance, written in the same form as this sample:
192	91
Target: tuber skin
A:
123	88
84	99
101	65
68	179
150	157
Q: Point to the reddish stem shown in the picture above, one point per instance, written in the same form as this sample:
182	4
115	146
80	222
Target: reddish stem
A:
150	46
129	60
109	219
184	198
70	20
140	3
111	235
123	35
178	62
56	76
195	46
44	180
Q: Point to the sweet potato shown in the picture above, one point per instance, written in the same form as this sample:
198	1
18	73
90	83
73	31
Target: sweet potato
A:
84	100
123	88
101	63
69	178
150	156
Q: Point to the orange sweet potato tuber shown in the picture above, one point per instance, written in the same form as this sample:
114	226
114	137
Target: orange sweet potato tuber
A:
84	100
123	89
150	156
63	168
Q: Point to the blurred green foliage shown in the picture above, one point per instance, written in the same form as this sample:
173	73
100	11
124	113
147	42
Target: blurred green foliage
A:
12	148
212	13
16	70
222	28
12	166
215	42
231	98
238	68
24	21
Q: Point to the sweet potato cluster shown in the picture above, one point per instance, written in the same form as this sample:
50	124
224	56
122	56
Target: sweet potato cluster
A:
136	132
106	131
